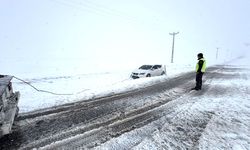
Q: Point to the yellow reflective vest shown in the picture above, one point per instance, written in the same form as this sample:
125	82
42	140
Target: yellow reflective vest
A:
203	68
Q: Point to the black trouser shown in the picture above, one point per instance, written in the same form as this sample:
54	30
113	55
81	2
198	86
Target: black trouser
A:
198	80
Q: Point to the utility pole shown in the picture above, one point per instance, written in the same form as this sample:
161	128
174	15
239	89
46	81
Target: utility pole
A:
172	56
217	51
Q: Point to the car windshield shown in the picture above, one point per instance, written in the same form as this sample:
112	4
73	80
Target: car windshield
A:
146	67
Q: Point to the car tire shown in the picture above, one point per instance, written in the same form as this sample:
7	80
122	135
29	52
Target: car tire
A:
148	75
163	73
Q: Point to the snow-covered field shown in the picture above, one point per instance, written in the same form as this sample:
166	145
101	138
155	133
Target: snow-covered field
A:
217	117
75	87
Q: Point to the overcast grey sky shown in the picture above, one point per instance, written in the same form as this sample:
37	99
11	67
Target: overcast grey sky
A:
122	33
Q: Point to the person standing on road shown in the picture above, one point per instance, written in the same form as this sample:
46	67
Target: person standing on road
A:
200	69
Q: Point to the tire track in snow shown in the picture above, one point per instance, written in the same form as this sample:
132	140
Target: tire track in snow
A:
57	120
107	122
119	129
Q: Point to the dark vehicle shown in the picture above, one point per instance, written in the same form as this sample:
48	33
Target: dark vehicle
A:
8	104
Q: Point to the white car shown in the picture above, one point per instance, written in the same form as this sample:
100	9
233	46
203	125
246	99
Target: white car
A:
148	71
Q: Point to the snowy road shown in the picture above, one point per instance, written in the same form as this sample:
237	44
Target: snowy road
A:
161	116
